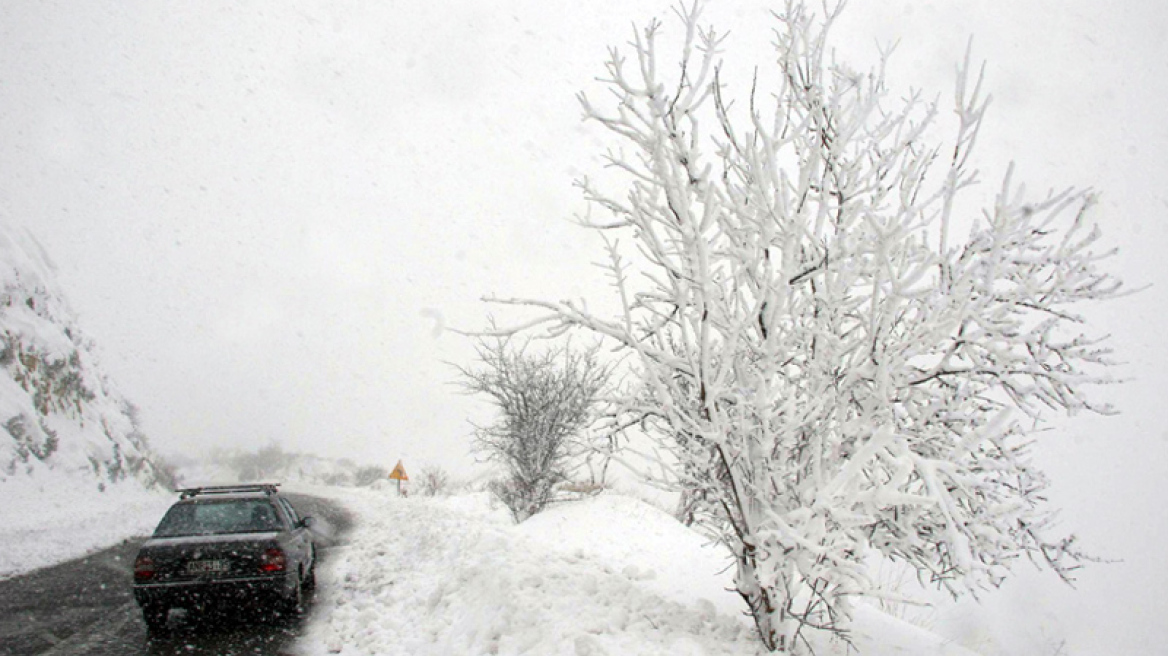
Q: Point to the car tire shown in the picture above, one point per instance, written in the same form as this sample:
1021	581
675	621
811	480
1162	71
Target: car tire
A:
155	616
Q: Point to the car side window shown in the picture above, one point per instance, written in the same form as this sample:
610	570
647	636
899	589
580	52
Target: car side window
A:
291	511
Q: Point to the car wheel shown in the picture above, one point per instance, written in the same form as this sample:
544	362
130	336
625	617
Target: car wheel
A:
155	616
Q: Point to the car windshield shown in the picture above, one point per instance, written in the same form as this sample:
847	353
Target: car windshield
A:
220	516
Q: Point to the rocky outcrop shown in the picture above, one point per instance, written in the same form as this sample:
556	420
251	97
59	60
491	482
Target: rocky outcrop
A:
58	409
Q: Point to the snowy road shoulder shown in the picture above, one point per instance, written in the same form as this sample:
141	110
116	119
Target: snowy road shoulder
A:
608	575
51	517
451	576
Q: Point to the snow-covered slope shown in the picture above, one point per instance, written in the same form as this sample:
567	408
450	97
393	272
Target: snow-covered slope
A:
58	409
51	516
70	446
605	575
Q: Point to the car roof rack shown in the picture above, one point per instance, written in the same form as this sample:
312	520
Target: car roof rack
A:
266	488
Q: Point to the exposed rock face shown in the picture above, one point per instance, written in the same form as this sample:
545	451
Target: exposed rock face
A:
58	410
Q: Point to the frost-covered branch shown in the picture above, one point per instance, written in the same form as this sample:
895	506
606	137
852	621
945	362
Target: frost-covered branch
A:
544	401
830	367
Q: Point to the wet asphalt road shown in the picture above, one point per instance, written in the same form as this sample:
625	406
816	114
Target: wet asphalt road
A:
85	608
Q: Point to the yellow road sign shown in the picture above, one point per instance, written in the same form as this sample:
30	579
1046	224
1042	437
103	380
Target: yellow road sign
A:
398	473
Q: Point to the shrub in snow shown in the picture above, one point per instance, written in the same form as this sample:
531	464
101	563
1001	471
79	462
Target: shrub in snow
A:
544	401
832	367
433	481
370	475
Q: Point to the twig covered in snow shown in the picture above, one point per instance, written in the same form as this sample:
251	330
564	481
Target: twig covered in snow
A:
833	369
544	401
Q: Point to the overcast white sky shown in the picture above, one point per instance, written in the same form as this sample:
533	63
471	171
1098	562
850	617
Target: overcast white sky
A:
266	212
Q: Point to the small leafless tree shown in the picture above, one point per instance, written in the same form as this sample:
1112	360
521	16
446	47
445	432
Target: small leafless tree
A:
544	400
837	355
433	481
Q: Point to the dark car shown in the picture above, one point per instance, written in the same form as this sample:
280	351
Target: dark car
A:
243	545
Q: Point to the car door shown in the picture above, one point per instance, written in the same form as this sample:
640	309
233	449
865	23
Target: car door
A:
300	538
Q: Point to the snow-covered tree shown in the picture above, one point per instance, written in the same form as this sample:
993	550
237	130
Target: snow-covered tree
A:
840	353
545	400
433	481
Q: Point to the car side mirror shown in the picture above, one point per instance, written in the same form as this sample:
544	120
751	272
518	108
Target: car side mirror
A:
308	522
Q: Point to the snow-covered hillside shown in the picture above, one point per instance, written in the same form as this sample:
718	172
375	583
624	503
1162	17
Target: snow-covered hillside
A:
272	463
605	575
67	434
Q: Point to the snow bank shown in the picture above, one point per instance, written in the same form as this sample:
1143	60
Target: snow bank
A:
608	575
630	536
52	516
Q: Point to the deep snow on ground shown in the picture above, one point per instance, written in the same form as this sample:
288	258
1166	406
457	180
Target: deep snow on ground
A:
454	576
603	575
51	516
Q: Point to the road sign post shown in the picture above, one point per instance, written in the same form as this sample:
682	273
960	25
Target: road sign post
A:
399	474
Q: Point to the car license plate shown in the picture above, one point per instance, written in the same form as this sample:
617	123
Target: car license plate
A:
207	566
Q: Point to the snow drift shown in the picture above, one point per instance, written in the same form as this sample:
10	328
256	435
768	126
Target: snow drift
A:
604	575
